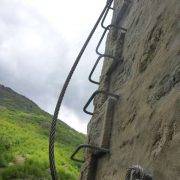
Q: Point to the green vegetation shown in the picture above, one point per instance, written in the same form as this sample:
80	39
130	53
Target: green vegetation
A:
24	141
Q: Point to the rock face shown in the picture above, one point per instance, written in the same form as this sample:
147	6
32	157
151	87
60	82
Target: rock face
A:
144	123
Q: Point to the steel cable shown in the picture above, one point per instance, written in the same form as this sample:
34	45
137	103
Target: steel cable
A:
61	96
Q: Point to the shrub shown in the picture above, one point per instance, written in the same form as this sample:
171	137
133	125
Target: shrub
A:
30	170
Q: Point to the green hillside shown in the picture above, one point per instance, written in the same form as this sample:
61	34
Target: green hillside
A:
24	130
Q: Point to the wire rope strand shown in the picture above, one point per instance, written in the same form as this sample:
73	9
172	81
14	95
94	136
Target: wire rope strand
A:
61	96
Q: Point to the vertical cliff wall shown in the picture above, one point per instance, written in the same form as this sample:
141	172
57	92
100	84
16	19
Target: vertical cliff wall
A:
143	126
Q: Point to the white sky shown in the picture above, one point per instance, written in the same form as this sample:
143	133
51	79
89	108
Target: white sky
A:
39	40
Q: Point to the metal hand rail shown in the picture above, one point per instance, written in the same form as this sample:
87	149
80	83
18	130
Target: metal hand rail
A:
61	96
92	97
98	151
101	150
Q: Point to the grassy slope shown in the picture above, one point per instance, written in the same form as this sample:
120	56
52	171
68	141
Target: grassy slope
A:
24	130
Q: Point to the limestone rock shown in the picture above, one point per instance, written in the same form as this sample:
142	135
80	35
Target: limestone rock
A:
146	121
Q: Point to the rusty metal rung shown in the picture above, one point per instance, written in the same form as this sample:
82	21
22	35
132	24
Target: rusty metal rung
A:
98	151
92	97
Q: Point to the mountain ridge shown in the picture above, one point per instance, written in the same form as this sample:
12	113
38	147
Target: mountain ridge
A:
7	93
29	105
24	138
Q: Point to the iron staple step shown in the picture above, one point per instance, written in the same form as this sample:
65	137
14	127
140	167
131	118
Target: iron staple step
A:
98	151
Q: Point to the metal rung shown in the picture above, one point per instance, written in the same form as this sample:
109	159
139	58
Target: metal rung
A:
92	97
95	65
103	55
98	151
104	33
105	15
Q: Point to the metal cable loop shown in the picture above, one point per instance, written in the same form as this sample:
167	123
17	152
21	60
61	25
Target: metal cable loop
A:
137	172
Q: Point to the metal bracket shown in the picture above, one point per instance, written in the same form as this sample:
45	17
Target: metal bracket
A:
98	151
92	97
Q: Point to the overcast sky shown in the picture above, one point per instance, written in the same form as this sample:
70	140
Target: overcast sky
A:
39	40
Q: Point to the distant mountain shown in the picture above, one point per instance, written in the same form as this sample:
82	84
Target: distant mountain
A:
24	131
12	100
